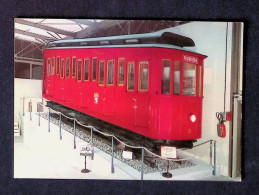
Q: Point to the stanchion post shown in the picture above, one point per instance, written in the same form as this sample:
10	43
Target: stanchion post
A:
74	133
112	168
60	135
214	171
39	117
30	109
23	106
91	135
49	120
210	152
92	139
142	163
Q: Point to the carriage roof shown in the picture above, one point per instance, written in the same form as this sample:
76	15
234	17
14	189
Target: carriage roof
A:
155	39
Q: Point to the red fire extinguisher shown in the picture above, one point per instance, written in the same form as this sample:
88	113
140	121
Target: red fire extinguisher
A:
221	128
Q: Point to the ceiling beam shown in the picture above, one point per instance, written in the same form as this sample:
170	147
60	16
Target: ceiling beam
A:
102	25
32	34
44	27
85	22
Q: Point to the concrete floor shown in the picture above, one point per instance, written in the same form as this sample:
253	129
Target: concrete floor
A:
41	154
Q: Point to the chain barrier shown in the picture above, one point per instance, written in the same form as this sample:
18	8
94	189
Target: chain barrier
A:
134	147
141	147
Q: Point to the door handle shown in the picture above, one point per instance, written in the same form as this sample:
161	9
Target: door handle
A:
135	107
134	99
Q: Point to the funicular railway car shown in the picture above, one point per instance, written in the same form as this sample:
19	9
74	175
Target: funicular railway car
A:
145	83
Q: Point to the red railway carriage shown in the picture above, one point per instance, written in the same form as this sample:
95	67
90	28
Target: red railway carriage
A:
146	83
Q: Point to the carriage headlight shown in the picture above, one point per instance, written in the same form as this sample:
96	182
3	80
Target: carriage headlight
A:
193	118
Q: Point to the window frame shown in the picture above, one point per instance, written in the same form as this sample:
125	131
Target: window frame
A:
52	66
68	68
57	65
171	76
88	78
92	69
195	76
134	63
180	79
99	68
107	73
48	66
118	75
73	58
62	69
139	79
79	60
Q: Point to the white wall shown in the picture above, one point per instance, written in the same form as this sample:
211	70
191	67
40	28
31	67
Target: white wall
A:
210	39
28	88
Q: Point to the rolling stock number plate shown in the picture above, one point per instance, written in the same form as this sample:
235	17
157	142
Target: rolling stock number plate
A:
168	152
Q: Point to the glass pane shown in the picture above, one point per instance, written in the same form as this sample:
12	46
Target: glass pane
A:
62	68
57	65
67	68
110	72
36	71
177	75
121	72
79	74
86	73
189	79
166	77
73	67
101	73
131	76
53	66
143	75
48	66
199	82
94	69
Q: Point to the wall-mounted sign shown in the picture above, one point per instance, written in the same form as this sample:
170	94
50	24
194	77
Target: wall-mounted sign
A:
190	59
168	152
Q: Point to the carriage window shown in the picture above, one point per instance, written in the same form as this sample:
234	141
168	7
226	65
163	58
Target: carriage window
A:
73	67
110	72
177	76
67	68
143	76
79	68
48	68
121	72
199	81
62	69
189	79
57	66
94	64
86	70
101	73
53	66
131	76
166	77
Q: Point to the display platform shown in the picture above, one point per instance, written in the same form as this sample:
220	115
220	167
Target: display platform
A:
41	154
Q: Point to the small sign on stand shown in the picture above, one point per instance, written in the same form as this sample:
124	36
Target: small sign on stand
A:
127	155
168	152
87	150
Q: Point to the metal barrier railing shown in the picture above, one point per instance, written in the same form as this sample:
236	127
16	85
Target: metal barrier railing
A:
143	149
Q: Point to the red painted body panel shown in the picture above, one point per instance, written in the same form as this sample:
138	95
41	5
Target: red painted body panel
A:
150	113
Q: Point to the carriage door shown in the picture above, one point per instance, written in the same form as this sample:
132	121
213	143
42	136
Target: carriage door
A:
108	101
79	84
142	113
51	79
